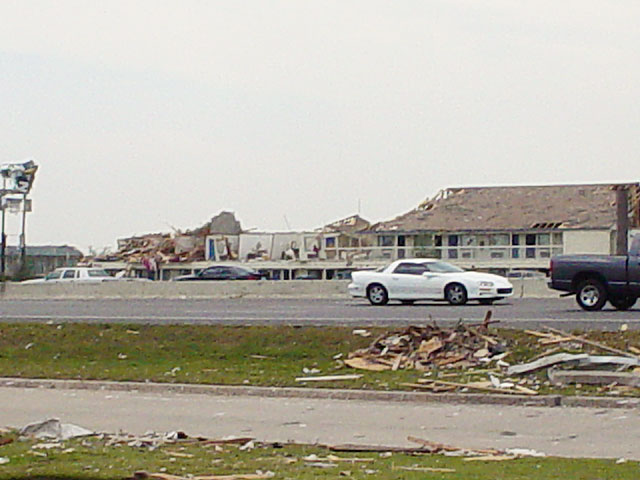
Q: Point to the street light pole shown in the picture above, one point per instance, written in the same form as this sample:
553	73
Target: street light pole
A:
3	238
23	243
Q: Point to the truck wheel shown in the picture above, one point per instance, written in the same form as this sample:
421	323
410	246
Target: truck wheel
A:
622	303
377	295
591	295
455	294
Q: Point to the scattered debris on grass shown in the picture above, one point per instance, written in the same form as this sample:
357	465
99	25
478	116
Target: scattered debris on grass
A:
142	475
468	350
423	348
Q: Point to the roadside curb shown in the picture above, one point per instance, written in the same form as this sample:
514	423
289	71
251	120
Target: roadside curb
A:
326	393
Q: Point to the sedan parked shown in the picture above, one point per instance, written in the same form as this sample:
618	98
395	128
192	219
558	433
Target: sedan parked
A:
223	272
409	280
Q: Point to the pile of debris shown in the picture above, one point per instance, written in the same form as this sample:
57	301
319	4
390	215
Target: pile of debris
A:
176	247
423	348
161	248
568	360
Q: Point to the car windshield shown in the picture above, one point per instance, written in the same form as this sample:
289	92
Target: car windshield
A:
442	267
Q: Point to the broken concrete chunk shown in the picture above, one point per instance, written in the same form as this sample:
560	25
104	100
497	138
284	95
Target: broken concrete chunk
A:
593	377
581	359
53	428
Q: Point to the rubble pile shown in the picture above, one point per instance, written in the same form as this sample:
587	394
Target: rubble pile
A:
161	248
424	348
177	247
565	359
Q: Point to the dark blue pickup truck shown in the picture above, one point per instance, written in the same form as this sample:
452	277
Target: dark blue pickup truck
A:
597	278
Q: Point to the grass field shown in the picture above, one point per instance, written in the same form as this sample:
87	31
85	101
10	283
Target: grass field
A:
259	356
92	459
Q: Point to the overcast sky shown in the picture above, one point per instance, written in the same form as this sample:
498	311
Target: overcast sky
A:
147	115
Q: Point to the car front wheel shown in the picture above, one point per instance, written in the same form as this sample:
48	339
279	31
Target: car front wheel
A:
455	294
591	295
377	295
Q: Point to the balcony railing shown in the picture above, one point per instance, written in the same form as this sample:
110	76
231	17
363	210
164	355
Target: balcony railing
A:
503	253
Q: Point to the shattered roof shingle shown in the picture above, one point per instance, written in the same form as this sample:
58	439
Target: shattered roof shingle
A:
512	208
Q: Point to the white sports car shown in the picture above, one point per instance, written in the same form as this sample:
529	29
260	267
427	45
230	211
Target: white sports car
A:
409	280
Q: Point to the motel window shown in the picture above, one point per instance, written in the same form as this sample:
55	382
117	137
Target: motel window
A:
386	241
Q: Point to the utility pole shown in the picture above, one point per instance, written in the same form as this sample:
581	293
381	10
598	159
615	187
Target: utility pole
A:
23	242
3	238
622	219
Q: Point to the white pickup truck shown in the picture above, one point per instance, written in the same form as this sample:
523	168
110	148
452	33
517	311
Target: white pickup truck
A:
75	275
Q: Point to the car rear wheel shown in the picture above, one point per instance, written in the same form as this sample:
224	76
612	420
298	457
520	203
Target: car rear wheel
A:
455	294
377	295
591	295
622	303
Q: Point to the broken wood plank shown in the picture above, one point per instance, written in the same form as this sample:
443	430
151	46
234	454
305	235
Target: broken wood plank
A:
349	447
365	364
179	454
555	340
491	458
436	446
535	333
236	476
229	441
441	362
486	338
433	387
425	469
335	458
526	390
475	387
428	347
330	378
398	361
592	343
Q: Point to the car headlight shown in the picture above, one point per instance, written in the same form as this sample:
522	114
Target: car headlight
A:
486	284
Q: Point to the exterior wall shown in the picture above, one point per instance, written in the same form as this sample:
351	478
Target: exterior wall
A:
587	241
39	265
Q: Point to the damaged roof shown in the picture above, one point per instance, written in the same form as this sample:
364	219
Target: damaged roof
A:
517	208
351	224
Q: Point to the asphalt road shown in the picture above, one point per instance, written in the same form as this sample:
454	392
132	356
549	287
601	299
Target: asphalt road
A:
572	432
517	313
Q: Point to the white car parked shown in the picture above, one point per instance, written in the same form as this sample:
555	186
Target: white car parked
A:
75	275
409	280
